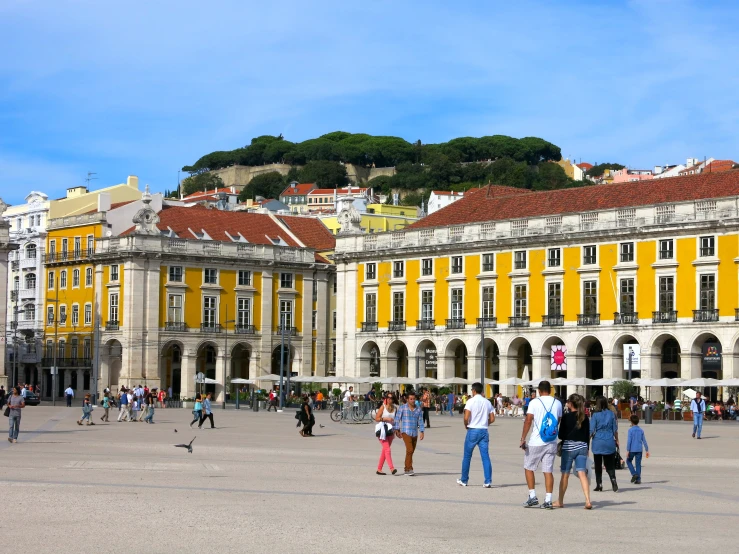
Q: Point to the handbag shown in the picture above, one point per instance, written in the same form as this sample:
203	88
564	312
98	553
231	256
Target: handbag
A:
559	448
619	460
6	412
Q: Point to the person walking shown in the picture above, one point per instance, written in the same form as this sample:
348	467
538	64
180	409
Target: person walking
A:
306	418
197	410
272	401
123	405
574	432
635	440
409	426
69	394
450	403
544	414
2	397
106	406
604	430
207	413
698	407
478	415
15	404
426	406
150	401
135	409
386	416
86	411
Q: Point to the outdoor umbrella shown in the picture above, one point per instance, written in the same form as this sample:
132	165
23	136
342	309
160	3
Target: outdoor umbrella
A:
239	381
455	381
729	383
577	381
702	382
512	381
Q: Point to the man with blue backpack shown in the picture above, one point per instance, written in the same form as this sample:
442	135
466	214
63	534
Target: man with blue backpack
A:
544	414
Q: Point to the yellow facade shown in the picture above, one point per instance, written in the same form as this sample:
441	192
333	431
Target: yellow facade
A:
384	218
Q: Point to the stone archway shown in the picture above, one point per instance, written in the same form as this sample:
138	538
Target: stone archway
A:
369	360
706	360
171	378
666	360
427	357
455	359
397	359
111	360
205	362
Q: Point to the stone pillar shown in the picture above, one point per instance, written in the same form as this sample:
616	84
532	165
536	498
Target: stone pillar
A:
540	367
187	375
266	327
222	362
690	365
473	368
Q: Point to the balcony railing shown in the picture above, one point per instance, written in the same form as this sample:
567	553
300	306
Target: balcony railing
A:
553	320
625	318
705	316
455	323
292	331
178	326
396	325
519	264
369	326
736	314
111	325
627	257
487	322
707	252
425	325
210	328
242	329
668	316
588	319
519	321
53	257
67	362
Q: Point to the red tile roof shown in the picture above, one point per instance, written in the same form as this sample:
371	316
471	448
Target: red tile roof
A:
209	193
447	193
720	165
342	190
584	166
300	189
310	231
478	205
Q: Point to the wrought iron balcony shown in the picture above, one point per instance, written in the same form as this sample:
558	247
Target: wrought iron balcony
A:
487	322
588	319
553	320
455	323
519	321
705	316
292	331
178	326
112	325
707	252
369	326
210	328
242	329
736	314
67	362
668	316
625	318
425	325
396	325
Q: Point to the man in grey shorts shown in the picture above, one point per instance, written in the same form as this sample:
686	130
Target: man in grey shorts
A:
538	452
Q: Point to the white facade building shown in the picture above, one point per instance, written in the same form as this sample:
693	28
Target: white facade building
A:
442	198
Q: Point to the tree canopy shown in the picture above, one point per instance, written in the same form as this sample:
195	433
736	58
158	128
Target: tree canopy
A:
200	182
600	169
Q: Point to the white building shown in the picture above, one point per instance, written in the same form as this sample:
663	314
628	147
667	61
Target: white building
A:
441	198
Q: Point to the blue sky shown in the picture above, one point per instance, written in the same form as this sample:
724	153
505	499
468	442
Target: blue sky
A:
146	87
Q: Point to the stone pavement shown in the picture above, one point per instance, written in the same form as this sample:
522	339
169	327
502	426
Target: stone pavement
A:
253	484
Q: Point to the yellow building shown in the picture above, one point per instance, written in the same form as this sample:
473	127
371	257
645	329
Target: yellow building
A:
559	282
378	218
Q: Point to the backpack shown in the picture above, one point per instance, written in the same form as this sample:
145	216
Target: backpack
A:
549	427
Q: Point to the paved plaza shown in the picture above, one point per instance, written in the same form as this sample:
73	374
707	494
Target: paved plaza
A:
253	484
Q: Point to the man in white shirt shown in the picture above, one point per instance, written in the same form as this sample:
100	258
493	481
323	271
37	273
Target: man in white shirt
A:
348	394
537	451
698	407
478	414
69	393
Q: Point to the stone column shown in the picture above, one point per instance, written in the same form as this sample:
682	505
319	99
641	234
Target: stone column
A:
187	374
222	362
263	365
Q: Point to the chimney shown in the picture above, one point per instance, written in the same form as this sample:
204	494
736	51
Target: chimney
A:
104	201
133	182
657	169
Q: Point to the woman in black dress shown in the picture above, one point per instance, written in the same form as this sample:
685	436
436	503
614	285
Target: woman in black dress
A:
306	418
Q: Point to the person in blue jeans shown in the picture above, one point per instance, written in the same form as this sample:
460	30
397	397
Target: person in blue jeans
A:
634	442
450	403
698	407
478	415
574	432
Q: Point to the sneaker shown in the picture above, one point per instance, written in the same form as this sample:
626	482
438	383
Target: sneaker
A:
461	483
547	506
410	473
531	503
394	471
634	478
487	485
637	482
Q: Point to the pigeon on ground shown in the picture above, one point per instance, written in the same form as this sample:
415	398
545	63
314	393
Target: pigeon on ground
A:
175	430
321	426
188	446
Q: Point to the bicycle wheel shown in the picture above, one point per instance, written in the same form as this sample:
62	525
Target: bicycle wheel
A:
336	414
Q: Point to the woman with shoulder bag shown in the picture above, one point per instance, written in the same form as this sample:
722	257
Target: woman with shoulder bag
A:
197	411
604	431
15	404
385	417
574	432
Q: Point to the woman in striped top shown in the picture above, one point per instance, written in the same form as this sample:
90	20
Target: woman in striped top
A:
574	432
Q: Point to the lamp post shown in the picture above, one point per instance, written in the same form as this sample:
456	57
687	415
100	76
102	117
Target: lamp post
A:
282	361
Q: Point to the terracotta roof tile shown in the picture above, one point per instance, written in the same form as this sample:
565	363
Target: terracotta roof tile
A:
447	193
585	166
342	190
310	231
478	206
300	189
208	193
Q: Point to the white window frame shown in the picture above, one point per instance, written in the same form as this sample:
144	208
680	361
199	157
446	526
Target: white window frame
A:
88	314
208	273
174	270
244	275
113	307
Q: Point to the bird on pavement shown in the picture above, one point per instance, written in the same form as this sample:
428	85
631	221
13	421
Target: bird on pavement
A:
175	430
188	446
321	426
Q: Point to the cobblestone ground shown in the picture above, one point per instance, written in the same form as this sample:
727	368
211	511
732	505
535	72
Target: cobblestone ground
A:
253	484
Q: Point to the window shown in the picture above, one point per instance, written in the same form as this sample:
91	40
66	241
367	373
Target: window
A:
174	308
210	311
243	312
333	324
65	242
554	299
87	350
398	269
244	278
590	297
488	262
76	278
457	308
488	302
175	274
50	285
31	251
62	315
52	248
16	283
31	281
88	315
398	306
628	304
336	283
29	312
73	346
286	313
49	353
456	264
88	277
90	247
63	279
519	259
286	280
61	350
708	292
77	247
554	257
371	271
427	267
113	307
75	315
589	255
627	252
210	276
370	310
666	294
50	315
666	249
708	246
427	305
114	273
519	301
